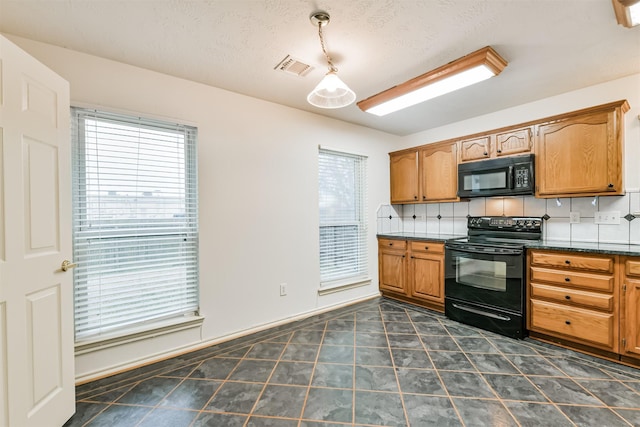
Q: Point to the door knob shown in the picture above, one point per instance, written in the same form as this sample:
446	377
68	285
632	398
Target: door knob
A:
66	265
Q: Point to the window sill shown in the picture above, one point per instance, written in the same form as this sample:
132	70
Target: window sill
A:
138	334
343	285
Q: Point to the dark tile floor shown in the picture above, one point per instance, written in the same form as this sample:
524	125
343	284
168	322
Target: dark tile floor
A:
377	363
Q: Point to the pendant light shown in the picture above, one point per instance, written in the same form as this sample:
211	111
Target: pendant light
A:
331	92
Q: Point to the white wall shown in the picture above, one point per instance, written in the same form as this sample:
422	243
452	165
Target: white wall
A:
257	193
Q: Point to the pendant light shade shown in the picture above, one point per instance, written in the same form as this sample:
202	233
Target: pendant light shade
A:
331	92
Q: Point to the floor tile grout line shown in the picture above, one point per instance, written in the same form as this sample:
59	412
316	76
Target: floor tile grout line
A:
353	374
437	372
313	371
266	383
157	405
585	389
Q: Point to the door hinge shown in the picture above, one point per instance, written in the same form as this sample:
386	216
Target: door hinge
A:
624	343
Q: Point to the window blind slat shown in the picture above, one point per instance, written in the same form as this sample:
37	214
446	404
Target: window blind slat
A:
343	224
135	221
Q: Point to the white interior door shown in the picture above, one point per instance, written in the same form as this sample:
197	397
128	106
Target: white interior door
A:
36	297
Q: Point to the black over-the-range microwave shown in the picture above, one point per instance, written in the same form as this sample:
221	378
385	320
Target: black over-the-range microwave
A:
506	176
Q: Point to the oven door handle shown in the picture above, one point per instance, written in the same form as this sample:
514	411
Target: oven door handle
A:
481	312
481	251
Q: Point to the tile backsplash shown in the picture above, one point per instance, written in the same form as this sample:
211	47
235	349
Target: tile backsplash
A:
451	218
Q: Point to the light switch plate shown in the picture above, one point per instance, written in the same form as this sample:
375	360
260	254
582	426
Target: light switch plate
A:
612	217
574	217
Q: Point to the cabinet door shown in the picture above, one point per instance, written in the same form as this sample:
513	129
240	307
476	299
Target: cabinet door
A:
579	155
631	317
518	141
439	173
475	149
404	177
392	271
427	276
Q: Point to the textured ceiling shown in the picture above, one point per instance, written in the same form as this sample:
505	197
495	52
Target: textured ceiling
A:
552	46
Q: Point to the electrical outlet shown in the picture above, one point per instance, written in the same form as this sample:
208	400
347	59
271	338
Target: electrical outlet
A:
283	289
612	217
574	217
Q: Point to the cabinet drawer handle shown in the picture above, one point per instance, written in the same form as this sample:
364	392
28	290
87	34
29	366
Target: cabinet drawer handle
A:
567	279
390	244
567	297
568	322
566	261
412	257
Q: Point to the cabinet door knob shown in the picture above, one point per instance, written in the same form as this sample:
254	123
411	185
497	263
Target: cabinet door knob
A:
426	248
567	261
499	151
485	153
412	257
424	197
415	197
610	185
567	279
568	322
567	297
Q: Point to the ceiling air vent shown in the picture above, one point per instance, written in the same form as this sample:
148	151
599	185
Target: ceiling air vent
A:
293	66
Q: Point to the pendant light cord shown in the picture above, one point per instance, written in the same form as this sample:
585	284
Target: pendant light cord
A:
324	50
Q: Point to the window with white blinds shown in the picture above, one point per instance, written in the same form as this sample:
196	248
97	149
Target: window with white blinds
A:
135	222
343	221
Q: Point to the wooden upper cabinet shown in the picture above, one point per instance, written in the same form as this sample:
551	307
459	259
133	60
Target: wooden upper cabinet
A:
404	176
438	173
475	149
581	155
516	141
497	144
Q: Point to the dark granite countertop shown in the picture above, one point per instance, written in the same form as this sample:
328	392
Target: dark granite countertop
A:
421	236
599	248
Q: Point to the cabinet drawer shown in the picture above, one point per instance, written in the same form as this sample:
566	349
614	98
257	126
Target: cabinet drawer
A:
433	247
580	324
632	268
594	263
598	282
573	297
392	243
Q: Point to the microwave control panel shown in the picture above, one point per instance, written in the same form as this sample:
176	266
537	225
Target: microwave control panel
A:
522	177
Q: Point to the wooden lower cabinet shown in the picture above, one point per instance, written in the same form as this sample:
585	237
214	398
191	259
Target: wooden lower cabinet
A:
630	322
573	297
426	267
392	266
412	271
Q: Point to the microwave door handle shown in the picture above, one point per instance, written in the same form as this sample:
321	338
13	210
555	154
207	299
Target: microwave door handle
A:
511	179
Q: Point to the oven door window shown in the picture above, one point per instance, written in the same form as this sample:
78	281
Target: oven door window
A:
483	274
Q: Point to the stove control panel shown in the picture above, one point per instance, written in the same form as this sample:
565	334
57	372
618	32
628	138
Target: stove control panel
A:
506	223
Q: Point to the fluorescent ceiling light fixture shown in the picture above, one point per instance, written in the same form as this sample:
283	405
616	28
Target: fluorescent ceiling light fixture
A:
473	68
627	12
331	92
